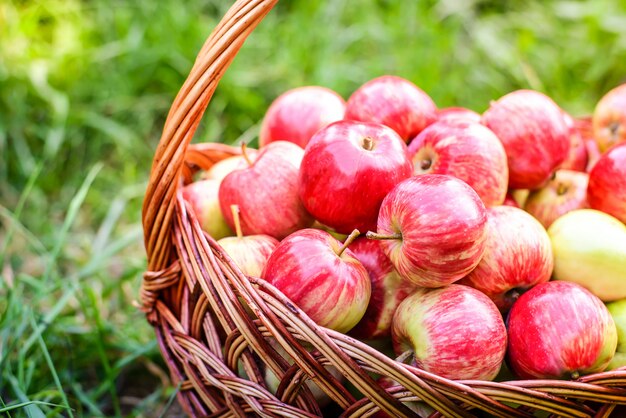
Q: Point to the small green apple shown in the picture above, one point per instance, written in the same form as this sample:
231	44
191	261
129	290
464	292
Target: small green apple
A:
589	248
618	312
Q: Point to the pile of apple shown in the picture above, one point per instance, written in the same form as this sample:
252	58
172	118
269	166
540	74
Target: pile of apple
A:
466	239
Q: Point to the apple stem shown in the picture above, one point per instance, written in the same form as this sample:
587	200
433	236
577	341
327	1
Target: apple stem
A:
348	241
235	211
244	153
561	189
375	235
575	375
368	143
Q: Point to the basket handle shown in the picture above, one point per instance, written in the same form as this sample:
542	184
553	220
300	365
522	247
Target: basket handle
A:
183	119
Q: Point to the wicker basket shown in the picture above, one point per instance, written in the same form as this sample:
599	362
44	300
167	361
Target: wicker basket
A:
219	330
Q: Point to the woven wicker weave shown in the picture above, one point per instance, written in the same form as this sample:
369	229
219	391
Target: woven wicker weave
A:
219	330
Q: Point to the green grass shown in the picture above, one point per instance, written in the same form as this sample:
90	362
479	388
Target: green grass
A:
85	86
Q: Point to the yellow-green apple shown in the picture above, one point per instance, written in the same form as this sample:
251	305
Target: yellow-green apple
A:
454	113
433	229
607	183
202	195
466	150
565	192
297	114
388	290
577	158
394	102
609	118
322	277
455	332
251	252
534	134
520	196
558	330
266	191
222	168
347	169
589	248
618	312
518	255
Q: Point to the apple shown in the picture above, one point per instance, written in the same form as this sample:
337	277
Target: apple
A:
347	169
250	253
584	126
520	196
534	134
202	195
509	200
618	312
222	168
607	183
388	290
266	191
455	332
518	255
609	118
454	113
322	277
466	150
297	114
433	229
589	248
577	158
394	102
565	192
558	330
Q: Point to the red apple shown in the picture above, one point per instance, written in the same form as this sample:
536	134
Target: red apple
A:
577	158
559	329
322	277
347	169
609	118
297	114
202	195
433	229
607	183
565	192
518	255
250	253
509	200
266	191
388	290
222	168
394	102
455	332
466	150
534	134
454	113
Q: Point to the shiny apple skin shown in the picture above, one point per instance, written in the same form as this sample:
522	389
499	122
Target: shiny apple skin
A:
443	225
609	118
607	183
566	192
455	332
557	330
577	157
341	183
466	150
224	167
297	114
267	193
534	134
395	102
202	195
518	255
456	113
332	290
250	253
388	290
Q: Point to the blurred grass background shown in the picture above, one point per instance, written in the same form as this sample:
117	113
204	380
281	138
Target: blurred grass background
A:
85	85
